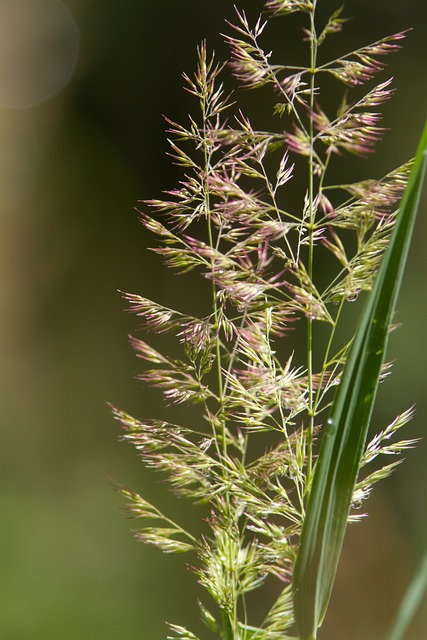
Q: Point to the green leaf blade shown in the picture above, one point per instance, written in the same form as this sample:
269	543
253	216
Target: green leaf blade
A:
410	602
344	439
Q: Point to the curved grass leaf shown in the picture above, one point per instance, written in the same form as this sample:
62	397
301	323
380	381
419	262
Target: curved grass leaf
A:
344	439
410	602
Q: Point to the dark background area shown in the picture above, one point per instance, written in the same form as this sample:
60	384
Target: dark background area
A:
72	168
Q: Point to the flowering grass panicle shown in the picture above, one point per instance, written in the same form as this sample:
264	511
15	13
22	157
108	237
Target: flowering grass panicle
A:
232	221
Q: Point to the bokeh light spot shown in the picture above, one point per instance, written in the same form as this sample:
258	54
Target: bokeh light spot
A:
39	43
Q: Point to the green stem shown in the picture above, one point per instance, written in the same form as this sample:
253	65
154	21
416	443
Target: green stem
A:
313	56
207	168
326	357
227	626
229	619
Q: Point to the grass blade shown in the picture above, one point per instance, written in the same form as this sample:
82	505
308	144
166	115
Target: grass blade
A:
345	435
410	602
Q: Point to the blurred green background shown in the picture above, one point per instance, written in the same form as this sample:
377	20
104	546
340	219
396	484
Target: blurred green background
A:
72	167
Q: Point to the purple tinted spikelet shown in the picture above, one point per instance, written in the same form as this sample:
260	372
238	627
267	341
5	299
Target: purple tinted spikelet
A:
284	7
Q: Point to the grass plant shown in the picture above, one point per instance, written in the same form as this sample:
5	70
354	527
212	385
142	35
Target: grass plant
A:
255	215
